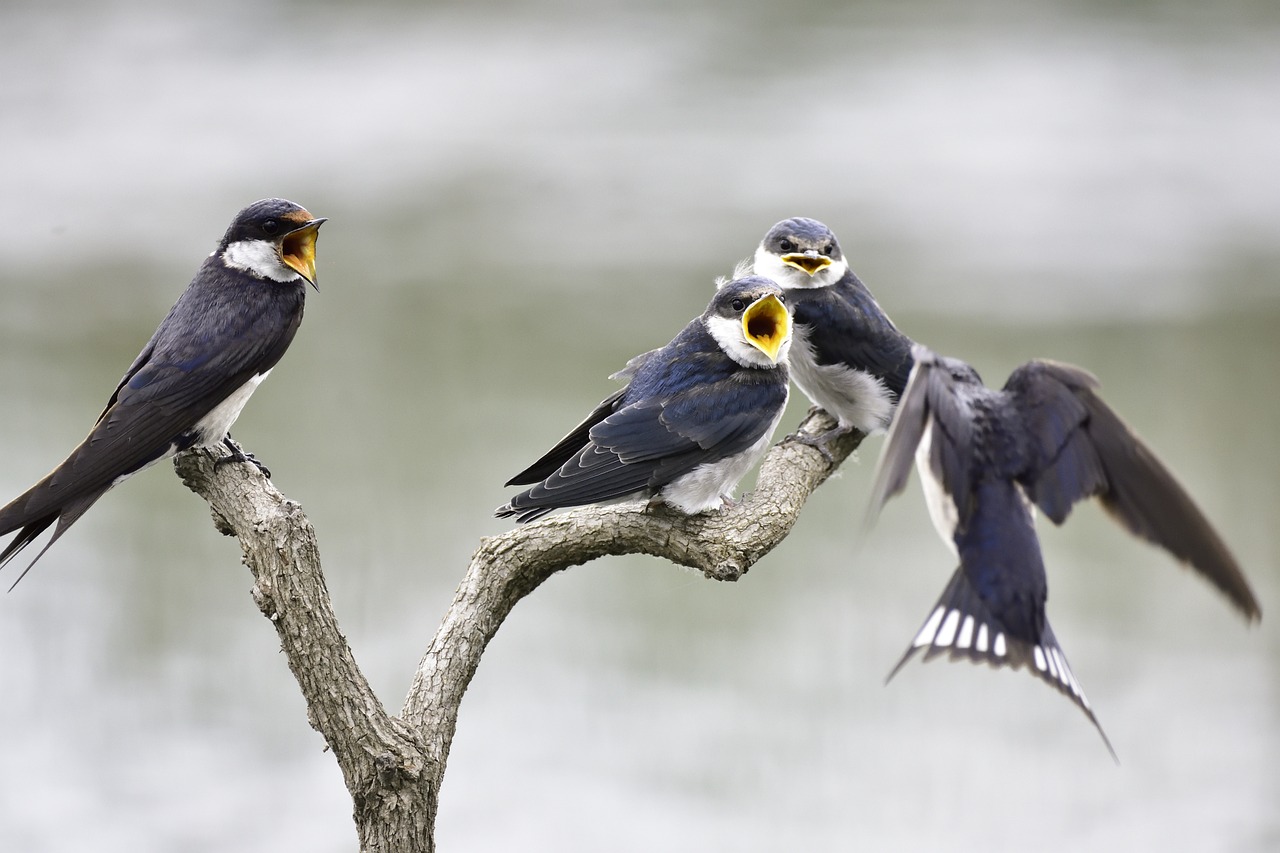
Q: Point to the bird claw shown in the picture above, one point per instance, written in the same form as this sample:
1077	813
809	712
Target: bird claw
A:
237	454
818	442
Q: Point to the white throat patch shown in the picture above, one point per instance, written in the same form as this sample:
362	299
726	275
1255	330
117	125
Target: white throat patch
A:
728	334
259	258
771	266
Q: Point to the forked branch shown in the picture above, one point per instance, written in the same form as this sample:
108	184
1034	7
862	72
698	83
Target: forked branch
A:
393	765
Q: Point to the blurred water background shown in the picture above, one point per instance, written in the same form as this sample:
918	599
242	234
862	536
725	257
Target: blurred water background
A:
522	197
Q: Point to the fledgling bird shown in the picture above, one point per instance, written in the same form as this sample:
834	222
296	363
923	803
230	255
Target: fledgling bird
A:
847	356
986	459
693	418
219	341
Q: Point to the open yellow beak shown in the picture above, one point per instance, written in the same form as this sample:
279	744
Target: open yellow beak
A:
298	249
767	325
809	262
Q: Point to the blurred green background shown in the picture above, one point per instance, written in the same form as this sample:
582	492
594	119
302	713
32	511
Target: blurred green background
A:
521	198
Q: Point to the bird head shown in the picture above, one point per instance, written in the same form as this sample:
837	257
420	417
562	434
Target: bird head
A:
273	239
749	319
800	252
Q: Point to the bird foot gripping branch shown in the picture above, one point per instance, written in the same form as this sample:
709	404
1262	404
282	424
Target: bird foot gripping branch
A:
238	454
186	388
693	419
821	441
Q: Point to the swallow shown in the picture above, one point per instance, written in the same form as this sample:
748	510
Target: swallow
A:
188	385
693	418
987	459
847	356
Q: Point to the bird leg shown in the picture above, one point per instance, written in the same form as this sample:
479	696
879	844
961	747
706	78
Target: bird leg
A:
238	455
820	441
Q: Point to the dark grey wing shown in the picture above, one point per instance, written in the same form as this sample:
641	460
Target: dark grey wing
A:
33	512
905	431
569	446
930	406
847	326
572	444
1051	401
66	515
172	384
175	381
645	445
1086	450
599	471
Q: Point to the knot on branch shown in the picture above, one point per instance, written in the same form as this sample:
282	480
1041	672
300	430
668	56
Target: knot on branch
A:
729	570
389	770
262	597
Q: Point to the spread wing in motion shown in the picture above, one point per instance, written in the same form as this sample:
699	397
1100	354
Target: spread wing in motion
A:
985	457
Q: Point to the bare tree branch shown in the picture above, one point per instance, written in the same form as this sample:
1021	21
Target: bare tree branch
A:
383	762
393	765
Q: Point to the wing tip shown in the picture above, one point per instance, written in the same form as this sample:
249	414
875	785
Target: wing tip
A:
523	514
25	537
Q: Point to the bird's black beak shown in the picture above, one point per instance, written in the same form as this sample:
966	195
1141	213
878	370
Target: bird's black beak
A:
809	262
767	325
298	249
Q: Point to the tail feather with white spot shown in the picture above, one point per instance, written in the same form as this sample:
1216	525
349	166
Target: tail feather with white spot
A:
962	627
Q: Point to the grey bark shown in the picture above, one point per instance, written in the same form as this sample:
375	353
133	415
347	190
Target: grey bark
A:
393	765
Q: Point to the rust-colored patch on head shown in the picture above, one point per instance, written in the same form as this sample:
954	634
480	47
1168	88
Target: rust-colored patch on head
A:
298	217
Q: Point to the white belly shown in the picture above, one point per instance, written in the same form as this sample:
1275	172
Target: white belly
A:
853	397
942	509
213	427
707	486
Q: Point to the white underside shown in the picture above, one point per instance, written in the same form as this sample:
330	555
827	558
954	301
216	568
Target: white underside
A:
942	508
213	427
709	485
853	397
118	480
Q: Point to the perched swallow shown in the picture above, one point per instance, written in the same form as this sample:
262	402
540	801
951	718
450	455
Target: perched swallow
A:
692	420
847	356
986	459
187	386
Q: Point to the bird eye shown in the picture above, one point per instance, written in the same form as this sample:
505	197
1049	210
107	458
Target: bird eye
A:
270	227
737	305
828	249
787	246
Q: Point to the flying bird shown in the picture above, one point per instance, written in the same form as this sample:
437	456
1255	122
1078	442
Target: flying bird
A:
219	341
847	356
987	459
693	418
